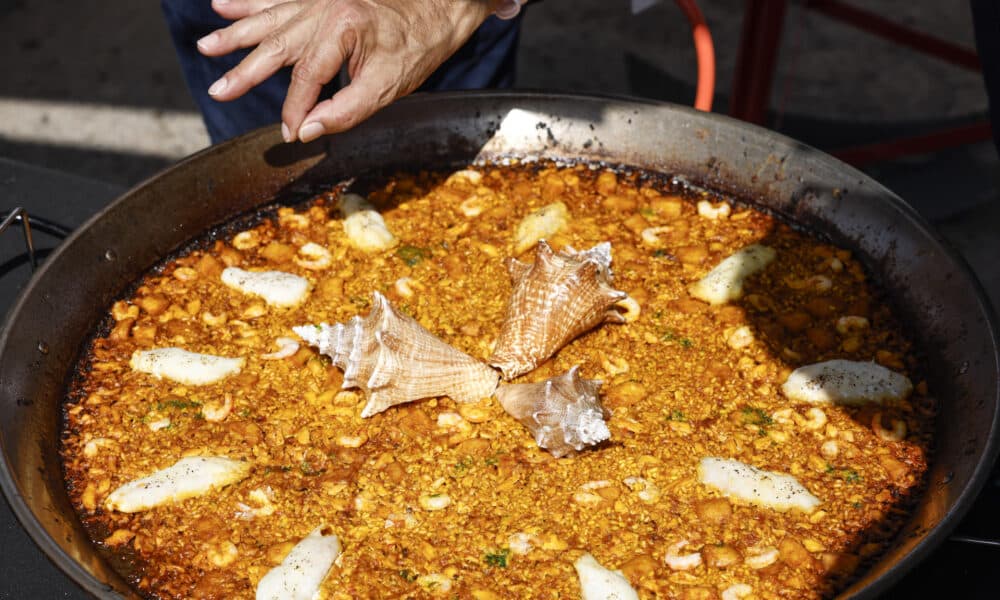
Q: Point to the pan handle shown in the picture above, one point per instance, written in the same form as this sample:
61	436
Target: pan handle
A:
44	225
977	529
976	540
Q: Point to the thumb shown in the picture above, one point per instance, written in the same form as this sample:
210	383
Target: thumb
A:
348	107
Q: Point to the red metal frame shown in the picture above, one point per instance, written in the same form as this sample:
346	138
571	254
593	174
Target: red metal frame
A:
884	28
917	144
762	24
763	21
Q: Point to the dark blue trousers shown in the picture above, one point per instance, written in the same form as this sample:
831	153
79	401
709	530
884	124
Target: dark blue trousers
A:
487	60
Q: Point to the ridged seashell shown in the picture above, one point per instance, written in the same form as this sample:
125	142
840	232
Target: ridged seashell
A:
554	300
563	413
395	360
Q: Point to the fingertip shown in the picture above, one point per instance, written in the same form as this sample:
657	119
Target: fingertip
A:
348	107
292	123
311	130
228	9
299	106
218	87
339	113
208	43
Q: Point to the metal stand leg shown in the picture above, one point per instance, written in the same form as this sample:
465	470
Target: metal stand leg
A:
19	214
758	54
763	21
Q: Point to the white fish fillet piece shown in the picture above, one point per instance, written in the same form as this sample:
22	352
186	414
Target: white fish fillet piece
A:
189	368
770	489
600	583
299	576
364	226
539	225
724	283
189	477
846	382
277	288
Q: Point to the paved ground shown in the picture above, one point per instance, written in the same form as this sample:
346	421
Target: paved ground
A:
100	94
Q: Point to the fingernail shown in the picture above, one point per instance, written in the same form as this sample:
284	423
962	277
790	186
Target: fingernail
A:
285	133
218	87
208	41
220	2
310	131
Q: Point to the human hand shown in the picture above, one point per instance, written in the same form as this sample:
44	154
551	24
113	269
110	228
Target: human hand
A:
390	47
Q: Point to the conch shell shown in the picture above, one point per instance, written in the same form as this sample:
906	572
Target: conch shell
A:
564	413
554	300
395	360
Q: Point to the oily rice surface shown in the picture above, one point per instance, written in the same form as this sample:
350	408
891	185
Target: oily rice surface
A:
683	381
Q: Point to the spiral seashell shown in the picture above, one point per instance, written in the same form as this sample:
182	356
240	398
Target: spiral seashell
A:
563	413
395	360
554	300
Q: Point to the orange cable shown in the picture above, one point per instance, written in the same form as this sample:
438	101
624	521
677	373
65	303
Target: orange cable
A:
704	52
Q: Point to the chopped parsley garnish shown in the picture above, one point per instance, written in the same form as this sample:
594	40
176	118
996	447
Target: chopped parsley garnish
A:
756	416
647	212
851	476
411	255
492	461
178	404
498	558
463	465
677	415
669	335
751	415
406	575
848	475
